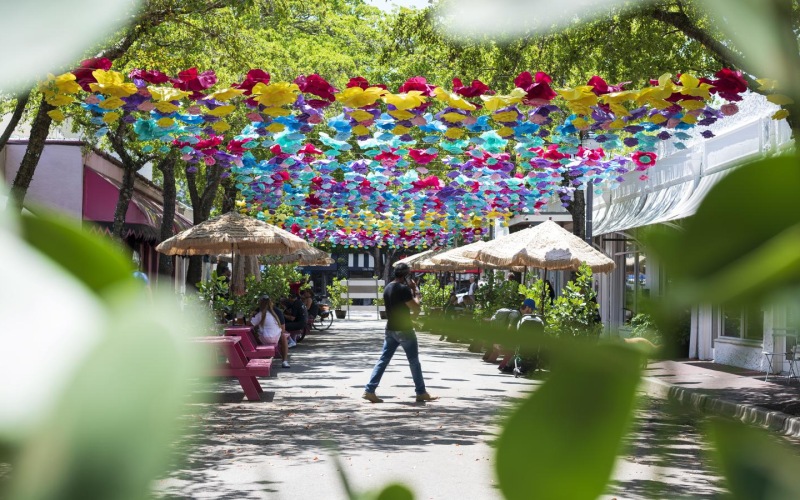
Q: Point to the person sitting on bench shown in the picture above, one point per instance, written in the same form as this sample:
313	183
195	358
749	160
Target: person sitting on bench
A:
268	323
296	315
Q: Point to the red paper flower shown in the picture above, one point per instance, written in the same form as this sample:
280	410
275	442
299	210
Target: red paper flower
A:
253	77
475	89
417	83
431	182
309	149
236	146
155	77
600	87
550	153
315	84
421	156
387	156
190	80
729	84
83	75
360	81
643	159
537	88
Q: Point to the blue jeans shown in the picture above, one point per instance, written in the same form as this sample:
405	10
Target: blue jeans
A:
407	339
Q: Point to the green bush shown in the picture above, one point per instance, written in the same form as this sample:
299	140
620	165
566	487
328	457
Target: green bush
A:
215	294
644	327
434	296
496	294
335	291
574	312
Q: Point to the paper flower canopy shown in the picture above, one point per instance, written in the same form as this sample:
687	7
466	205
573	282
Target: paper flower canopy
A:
365	166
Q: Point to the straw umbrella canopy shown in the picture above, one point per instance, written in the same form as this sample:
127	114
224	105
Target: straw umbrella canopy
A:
547	246
416	258
234	233
305	257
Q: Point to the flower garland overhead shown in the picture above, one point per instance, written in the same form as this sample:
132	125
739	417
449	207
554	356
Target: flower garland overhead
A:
365	166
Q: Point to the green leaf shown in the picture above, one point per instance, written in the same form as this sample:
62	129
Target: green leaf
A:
94	260
395	492
743	240
757	466
563	441
110	432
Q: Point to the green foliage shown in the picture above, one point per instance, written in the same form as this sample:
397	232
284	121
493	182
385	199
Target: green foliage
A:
734	252
215	293
379	301
434	296
574	312
336	290
536	290
496	294
643	326
555	446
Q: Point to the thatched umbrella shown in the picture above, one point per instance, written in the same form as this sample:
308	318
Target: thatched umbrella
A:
413	259
234	233
306	257
547	246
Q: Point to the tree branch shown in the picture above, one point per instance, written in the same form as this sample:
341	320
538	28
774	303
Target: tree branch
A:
22	101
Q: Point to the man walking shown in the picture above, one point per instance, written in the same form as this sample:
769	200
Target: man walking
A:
400	300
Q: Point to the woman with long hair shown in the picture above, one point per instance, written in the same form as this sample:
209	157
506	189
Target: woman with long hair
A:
269	324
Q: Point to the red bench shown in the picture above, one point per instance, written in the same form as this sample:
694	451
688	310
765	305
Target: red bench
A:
252	349
238	365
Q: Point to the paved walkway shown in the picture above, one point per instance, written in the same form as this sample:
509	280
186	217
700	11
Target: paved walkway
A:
279	448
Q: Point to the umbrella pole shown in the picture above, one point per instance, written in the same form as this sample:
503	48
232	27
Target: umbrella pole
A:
544	284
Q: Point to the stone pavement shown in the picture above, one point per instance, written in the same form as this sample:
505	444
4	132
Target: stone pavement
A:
280	447
728	391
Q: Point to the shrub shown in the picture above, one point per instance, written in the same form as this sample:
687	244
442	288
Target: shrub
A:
497	293
575	312
434	296
335	291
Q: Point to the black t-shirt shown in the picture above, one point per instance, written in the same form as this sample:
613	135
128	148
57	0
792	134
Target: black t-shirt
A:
395	296
297	310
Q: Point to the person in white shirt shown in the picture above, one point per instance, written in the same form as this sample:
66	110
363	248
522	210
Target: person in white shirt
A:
269	325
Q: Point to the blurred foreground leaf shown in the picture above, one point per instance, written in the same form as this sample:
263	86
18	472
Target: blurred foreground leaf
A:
744	240
563	441
97	262
110	434
756	465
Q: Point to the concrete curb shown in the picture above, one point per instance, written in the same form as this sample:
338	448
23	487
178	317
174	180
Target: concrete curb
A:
774	421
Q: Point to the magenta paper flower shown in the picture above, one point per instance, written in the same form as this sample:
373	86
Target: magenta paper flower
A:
154	77
84	76
417	83
537	88
421	157
644	159
475	89
254	76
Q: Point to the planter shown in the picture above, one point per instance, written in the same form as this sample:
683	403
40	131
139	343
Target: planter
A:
340	313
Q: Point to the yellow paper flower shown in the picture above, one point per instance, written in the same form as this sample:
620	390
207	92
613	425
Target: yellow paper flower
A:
690	104
166	107
167	94
656	96
220	126
687	118
165	122
113	103
657	119
56	115
453	100
453	117
226	94
276	94
693	87
58	99
112	83
580	123
580	99
780	99
275	127
779	115
222	110
400	130
408	100
615	101
495	102
505	132
66	84
360	130
454	133
111	117
360	115
273	111
399	114
356	97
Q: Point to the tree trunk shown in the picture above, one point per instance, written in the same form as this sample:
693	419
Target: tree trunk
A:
22	101
36	142
578	211
167	168
124	200
229	195
201	206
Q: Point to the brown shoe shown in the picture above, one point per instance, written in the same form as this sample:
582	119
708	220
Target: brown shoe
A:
421	398
371	397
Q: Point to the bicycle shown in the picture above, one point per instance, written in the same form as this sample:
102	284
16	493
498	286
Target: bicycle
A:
324	319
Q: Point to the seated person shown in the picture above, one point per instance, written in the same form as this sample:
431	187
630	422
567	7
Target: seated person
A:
521	324
469	298
311	304
509	319
268	323
296	314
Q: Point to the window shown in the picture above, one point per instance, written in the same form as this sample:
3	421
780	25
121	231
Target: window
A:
637	288
742	323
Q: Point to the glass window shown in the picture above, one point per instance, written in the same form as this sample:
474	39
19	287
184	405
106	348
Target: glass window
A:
636	283
743	323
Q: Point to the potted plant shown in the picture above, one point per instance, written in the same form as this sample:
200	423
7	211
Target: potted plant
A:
381	303
335	291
